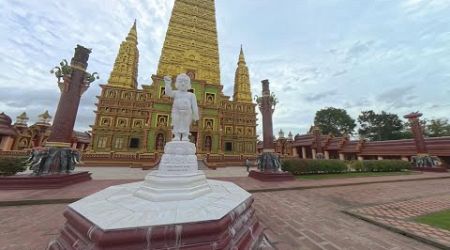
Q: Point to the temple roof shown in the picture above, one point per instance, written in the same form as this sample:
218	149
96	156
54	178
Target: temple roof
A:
83	137
5	125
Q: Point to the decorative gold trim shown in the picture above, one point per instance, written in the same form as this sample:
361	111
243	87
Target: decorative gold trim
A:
78	67
58	144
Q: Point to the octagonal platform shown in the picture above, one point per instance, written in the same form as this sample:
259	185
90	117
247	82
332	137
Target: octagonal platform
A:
115	218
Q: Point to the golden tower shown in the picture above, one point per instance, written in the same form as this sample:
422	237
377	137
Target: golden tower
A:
242	89
125	69
191	41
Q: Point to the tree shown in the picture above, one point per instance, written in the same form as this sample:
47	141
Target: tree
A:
334	121
438	127
381	127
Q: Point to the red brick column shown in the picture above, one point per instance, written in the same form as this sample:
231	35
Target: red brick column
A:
417	132
266	108
318	140
71	91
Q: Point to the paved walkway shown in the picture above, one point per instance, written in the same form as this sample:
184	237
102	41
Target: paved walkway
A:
313	218
399	216
101	181
295	219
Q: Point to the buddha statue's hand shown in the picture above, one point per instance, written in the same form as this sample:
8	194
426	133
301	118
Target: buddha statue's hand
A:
168	80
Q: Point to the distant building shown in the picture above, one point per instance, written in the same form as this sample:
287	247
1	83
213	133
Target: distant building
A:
343	148
20	136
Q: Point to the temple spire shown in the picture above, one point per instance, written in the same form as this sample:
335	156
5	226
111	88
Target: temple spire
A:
242	89
191	43
241	57
125	69
132	35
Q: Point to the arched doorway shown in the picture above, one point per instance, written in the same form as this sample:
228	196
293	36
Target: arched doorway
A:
208	144
160	142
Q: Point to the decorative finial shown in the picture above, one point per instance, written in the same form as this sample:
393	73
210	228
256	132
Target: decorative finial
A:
22	118
45	117
63	70
132	35
241	56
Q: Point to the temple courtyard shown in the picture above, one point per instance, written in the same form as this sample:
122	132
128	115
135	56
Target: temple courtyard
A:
336	213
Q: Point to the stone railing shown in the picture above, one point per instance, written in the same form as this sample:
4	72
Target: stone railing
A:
122	159
221	160
15	153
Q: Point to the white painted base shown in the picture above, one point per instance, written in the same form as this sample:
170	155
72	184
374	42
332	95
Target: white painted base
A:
177	178
160	187
117	207
177	193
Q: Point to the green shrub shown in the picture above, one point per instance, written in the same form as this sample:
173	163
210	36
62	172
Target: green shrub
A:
301	166
380	165
357	166
11	166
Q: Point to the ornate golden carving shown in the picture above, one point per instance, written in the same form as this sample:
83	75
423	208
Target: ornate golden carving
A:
125	69
242	91
191	41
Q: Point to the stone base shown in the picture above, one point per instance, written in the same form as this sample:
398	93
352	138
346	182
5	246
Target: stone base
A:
159	187
44	181
177	177
271	176
115	219
433	169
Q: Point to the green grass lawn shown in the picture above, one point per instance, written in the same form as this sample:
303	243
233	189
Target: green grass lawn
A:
439	219
350	175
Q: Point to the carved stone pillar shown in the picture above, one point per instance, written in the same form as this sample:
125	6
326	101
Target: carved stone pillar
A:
318	140
266	106
73	85
58	157
269	164
304	153
416	129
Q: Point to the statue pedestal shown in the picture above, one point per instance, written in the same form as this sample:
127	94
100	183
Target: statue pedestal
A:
271	176
268	168
431	169
176	207
178	177
22	181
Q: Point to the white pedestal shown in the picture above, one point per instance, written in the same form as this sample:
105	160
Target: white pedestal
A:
178	177
118	207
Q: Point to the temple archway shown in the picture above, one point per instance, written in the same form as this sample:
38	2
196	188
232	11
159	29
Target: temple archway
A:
208	144
160	142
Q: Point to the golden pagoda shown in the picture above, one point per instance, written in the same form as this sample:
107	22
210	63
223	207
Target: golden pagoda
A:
125	69
133	120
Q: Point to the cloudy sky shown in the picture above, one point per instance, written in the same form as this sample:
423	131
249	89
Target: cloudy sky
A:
352	54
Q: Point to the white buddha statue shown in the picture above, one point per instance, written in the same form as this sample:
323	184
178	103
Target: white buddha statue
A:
184	109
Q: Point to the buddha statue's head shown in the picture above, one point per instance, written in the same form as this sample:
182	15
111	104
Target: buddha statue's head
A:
183	82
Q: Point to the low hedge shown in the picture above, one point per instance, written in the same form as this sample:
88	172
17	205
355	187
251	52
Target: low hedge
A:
301	166
11	166
379	165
